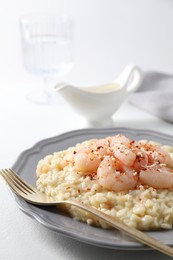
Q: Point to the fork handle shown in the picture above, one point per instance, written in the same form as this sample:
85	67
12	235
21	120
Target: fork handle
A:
132	232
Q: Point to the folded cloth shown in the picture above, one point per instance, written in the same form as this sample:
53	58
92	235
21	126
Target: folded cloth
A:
155	95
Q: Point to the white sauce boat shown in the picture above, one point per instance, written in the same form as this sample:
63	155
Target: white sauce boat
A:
98	103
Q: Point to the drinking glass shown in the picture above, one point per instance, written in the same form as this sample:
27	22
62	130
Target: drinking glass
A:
47	47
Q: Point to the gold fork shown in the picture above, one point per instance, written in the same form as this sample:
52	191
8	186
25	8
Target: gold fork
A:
33	196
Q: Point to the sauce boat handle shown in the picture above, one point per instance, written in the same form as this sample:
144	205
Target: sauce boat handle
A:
130	78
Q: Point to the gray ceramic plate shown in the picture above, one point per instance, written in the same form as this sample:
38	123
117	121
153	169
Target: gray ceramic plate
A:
26	164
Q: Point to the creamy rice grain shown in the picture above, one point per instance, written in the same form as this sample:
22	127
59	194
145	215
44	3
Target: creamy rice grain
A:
142	208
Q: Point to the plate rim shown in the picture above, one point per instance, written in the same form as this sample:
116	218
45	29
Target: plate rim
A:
38	146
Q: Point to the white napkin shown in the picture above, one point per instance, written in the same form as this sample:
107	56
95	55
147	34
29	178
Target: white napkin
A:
155	95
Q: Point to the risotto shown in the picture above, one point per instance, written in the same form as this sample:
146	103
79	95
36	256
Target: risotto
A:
132	180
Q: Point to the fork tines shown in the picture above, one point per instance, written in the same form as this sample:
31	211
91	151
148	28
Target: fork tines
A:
15	182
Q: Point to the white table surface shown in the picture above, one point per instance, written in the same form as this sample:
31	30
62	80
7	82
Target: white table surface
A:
23	124
109	35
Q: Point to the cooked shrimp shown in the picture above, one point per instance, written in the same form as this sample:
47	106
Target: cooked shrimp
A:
141	161
118	140
159	177
88	158
111	177
155	153
125	155
120	147
122	164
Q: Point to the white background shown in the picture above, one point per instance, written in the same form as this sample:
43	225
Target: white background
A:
108	35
